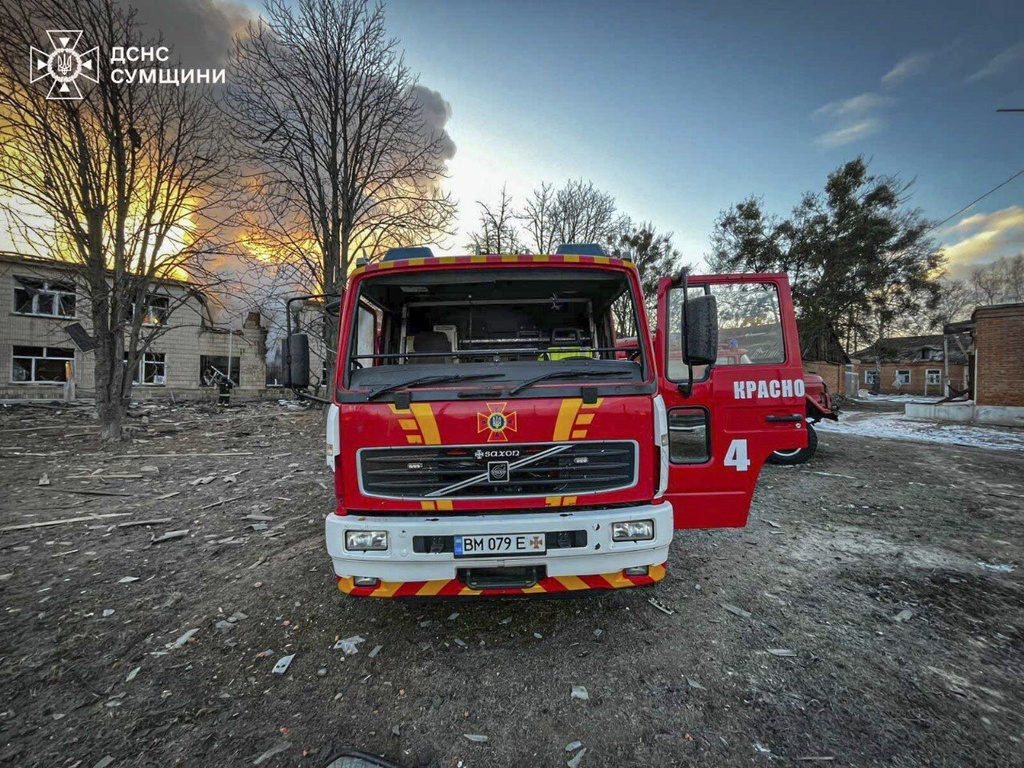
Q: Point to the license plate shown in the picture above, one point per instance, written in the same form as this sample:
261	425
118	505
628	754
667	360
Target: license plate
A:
500	544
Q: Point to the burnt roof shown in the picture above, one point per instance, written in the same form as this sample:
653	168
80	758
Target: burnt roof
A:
912	349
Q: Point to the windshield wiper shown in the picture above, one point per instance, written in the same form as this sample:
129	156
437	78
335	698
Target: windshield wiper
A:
437	379
563	375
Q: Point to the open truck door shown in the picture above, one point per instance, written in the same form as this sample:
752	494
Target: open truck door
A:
730	373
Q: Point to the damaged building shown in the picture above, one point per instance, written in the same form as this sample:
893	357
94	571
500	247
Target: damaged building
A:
43	355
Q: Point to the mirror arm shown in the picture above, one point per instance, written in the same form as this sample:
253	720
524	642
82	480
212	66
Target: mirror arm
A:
686	388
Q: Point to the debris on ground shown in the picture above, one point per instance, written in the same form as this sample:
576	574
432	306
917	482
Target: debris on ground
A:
182	640
376	649
170	535
580	692
350	645
475	737
905	615
127	579
762	748
274	750
575	761
282	664
736	610
572	746
784	652
660	606
133	674
694	684
45	479
997	567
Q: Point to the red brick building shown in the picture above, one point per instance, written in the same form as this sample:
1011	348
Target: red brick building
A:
999	355
914	365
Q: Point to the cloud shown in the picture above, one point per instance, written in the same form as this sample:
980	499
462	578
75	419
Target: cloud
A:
984	237
435	113
851	119
855	106
197	31
998	63
907	67
849	133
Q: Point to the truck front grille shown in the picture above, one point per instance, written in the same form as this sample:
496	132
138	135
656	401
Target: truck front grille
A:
487	471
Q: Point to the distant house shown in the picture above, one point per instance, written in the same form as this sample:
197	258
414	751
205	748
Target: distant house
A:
929	366
39	300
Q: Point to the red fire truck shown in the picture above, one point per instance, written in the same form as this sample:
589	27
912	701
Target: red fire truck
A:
487	437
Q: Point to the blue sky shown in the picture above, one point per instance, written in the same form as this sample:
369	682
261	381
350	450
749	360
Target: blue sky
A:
680	110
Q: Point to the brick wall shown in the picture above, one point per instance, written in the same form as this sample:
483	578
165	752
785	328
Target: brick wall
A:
918	378
830	372
999	345
188	336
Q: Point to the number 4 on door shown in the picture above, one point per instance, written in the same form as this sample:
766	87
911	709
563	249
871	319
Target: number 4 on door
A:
736	456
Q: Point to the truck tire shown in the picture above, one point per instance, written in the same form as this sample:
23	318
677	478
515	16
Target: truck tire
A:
798	455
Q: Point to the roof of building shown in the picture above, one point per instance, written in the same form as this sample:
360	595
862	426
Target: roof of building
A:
1000	308
914	349
12	257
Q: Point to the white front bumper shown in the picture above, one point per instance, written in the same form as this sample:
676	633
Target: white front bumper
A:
400	563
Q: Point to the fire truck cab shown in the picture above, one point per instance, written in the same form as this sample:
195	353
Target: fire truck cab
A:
489	436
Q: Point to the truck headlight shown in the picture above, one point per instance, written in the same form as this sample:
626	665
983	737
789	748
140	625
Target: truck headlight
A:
366	541
634	530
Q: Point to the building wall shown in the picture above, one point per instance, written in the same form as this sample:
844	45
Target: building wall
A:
918	378
832	373
999	347
189	335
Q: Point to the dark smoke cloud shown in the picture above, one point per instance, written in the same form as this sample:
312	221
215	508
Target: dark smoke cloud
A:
197	31
436	113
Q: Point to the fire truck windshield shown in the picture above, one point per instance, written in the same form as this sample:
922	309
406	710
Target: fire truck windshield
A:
511	326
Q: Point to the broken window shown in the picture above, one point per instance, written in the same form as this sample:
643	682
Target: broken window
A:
49	298
933	376
40	364
155	310
902	377
152	369
870	377
214	369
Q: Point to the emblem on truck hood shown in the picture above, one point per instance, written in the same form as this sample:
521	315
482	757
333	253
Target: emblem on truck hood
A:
496	421
497	453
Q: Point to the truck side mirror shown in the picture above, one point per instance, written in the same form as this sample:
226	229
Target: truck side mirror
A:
297	361
700	331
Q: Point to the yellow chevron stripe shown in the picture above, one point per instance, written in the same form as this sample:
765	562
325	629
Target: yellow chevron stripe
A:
425	416
584	418
579	434
566	416
572	582
431	588
409	424
427	505
444	504
414	439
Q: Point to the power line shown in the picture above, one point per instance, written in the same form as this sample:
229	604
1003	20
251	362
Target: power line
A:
976	201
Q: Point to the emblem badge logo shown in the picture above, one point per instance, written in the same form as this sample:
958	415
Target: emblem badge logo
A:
64	64
496	421
497	471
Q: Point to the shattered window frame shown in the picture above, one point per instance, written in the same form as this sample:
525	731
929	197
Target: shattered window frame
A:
33	355
220	363
33	294
904	376
157	309
151	366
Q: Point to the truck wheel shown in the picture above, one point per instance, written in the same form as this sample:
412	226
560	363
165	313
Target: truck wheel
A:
797	455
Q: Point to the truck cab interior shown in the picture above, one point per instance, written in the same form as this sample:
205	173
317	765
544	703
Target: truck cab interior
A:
491	316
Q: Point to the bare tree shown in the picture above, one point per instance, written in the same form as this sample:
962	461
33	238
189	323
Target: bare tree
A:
538	216
1001	281
121	186
348	157
655	257
583	213
497	232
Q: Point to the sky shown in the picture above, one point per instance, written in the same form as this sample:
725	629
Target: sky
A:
680	110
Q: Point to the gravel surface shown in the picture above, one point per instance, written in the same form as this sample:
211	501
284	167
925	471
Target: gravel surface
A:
872	613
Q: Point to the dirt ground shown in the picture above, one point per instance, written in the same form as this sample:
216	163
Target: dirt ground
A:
878	632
